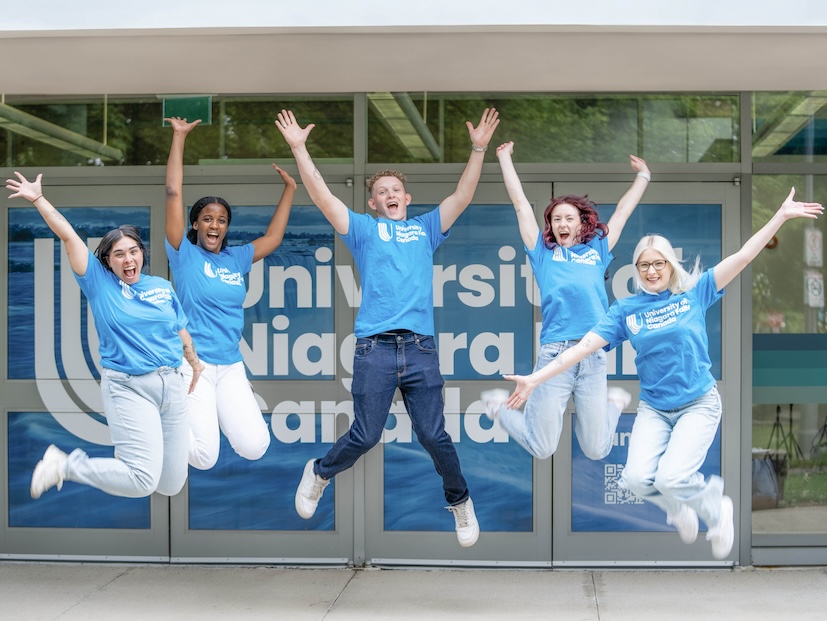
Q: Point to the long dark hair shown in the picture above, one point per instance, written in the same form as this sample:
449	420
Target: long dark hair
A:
125	230
192	234
589	220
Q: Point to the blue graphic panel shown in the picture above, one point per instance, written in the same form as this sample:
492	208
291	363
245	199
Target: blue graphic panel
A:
238	494
499	477
694	230
599	505
482	295
75	506
289	308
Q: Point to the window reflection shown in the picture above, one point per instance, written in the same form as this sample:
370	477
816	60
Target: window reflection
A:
789	468
562	128
119	131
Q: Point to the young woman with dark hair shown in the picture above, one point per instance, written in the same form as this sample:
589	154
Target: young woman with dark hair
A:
142	333
209	278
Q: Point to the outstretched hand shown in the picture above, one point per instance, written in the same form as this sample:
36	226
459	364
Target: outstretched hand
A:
481	134
285	177
791	208
293	133
180	126
23	188
506	148
521	393
638	164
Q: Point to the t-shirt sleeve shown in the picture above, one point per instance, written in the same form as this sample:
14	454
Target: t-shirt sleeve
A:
611	327
433	220
357	223
243	256
706	291
90	282
181	320
601	244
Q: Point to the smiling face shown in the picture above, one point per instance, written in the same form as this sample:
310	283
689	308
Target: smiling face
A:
656	280
566	225
388	198
211	227
126	260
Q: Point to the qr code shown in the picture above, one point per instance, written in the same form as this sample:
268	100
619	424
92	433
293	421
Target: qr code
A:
613	494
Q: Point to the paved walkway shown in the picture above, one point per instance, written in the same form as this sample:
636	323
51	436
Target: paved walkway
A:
104	592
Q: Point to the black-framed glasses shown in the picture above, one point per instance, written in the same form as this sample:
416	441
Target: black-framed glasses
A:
644	266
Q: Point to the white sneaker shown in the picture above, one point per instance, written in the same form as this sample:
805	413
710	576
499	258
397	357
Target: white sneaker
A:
468	529
493	400
686	521
722	535
619	397
49	471
310	491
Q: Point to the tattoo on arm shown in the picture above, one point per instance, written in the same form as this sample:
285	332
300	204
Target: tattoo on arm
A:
317	174
54	213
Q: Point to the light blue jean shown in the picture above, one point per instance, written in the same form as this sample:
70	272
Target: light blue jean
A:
538	429
666	450
147	418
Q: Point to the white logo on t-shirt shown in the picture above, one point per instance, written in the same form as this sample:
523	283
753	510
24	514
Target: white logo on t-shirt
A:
208	270
127	291
385	231
634	323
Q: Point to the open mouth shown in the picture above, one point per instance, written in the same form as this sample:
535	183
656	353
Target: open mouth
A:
129	273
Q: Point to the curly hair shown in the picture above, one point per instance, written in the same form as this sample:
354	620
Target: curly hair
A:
589	219
371	181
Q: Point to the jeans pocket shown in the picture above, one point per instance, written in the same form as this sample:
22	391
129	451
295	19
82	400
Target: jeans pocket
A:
426	344
116	376
363	347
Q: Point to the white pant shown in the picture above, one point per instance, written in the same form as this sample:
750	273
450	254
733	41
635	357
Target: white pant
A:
224	398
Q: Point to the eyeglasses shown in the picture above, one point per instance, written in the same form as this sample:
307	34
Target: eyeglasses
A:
643	266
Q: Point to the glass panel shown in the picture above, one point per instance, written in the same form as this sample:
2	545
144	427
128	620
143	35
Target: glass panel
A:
790	126
423	127
786	275
789	433
79	132
789	468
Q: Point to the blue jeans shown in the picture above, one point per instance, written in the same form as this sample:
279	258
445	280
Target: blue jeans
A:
147	418
382	363
538	429
666	450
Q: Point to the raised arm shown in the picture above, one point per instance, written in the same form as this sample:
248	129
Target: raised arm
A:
32	191
333	209
527	383
452	207
525	212
191	356
734	264
176	226
627	203
274	234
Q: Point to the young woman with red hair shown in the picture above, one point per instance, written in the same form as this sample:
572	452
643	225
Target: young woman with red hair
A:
569	258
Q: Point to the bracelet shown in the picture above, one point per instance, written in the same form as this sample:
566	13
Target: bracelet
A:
479	149
645	175
37	199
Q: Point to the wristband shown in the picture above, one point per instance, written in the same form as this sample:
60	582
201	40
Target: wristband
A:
645	175
479	149
37	199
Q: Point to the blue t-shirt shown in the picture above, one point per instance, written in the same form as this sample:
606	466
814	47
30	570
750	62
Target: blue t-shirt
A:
668	332
572	287
212	290
137	324
396	267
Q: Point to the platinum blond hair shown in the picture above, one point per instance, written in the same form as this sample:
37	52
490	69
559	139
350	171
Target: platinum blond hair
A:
681	280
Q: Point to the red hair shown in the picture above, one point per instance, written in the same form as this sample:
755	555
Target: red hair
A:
589	220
